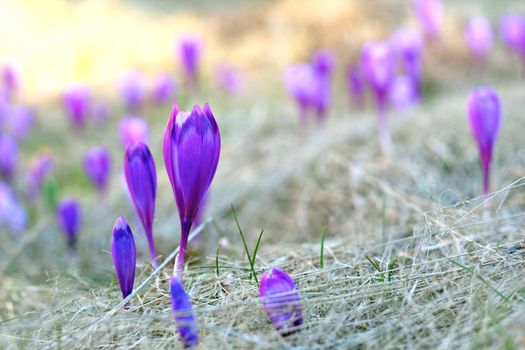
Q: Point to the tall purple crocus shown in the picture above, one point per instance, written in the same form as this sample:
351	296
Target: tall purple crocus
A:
430	16
189	50
378	65
124	255
408	46
69	219
301	83
97	165
133	130
478	34
11	80
164	89
132	90
141	177
8	156
485	118
281	301
192	145
77	103
355	85
184	316
512	31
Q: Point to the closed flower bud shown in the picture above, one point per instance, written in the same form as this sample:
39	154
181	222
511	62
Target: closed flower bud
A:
69	220
184	316
97	165
124	255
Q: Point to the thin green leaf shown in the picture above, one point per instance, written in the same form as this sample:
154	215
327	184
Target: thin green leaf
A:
321	255
376	266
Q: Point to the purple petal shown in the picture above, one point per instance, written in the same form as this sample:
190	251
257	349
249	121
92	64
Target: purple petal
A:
378	65
133	130
77	103
69	217
9	156
124	255
97	164
478	34
184	316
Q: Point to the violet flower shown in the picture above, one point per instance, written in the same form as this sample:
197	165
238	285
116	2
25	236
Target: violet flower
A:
281	301
184	316
39	170
355	85
77	103
11	80
133	130
485	118
192	146
228	79
141	177
164	89
403	93
378	66
21	119
430	16
124	255
322	64
301	83
12	213
8	156
97	165
69	219
132	90
408	46
478	34
189	50
512	31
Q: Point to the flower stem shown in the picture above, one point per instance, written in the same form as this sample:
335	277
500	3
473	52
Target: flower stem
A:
382	127
151	244
179	261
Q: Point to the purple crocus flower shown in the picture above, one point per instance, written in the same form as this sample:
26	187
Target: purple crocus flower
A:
12	213
164	89
189	50
512	31
228	79
192	145
408	46
281	301
184	316
77	103
323	64
124	255
132	90
133	130
378	66
141	177
39	170
97	165
485	118
430	16
69	220
8	156
301	83
478	34
21	119
403	93
11	80
355	85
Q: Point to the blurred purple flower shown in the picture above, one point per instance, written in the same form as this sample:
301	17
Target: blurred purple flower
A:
189	50
39	170
164	89
478	34
408	46
184	316
77	103
192	146
228	79
512	31
430	16
12	213
10	80
323	65
323	62
403	93
485	118
21	119
133	130
281	301
355	85
141	177
97	165
301	83
124	255
101	112
8	156
69	220
132	90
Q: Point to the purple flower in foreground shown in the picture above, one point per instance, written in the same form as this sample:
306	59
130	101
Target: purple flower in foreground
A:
124	255
189	50
164	89
478	34
485	118
69	220
97	165
133	130
12	213
132	90
512	31
192	145
77	103
184	316
39	170
301	83
11	80
228	79
403	93
430	16
8	156
408	46
141	177
355	85
281	301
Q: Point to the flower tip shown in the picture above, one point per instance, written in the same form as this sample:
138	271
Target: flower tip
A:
184	316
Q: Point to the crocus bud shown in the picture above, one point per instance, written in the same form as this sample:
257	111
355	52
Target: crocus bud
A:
192	146
322	64
184	316
408	46
189	51
301	83
281	301
69	220
430	16
133	130
124	255
38	171
11	80
77	103
12	213
228	79
8	156
132	90
97	165
403	93
164	89
141	177
512	31
478	34
484	117
355	85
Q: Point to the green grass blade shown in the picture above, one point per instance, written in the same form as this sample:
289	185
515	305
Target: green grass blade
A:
321	255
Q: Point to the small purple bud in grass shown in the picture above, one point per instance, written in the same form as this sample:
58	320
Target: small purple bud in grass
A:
141	177
39	170
20	121
69	220
478	34
403	93
355	85
228	79
184	316
8	156
97	165
11	80
77	103
132	90
485	118
133	130
164	89
192	145
430	16
512	31
12	213
281	301
408	46
301	83
189	50
124	255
